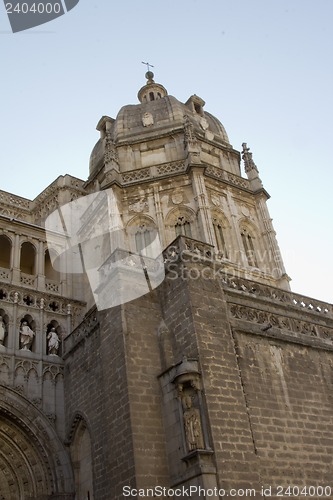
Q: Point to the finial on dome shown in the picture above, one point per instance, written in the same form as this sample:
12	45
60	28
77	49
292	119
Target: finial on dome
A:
150	77
151	91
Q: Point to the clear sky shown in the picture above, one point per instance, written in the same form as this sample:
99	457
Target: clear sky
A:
264	68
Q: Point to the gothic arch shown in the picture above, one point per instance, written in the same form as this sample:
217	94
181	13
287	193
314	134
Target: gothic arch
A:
222	233
6	245
28	256
50	272
137	220
33	462
81	454
181	216
252	248
141	230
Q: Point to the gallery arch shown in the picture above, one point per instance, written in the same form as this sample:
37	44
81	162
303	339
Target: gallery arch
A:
28	258
5	254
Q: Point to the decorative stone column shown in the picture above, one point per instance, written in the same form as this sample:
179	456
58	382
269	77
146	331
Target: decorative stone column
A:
16	260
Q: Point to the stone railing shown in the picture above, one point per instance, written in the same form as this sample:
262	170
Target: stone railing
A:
5	274
28	280
285	297
219	173
183	245
152	172
52	286
178	167
279	313
15	201
34	299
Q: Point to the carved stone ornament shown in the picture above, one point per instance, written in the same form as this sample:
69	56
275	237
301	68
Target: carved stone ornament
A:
53	342
209	135
26	336
177	197
110	154
138	206
2	331
192	425
204	123
215	200
147	119
245	211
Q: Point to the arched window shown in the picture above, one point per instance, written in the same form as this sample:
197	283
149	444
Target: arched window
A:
250	253
220	240
183	227
5	251
82	461
142	233
144	237
28	258
50	272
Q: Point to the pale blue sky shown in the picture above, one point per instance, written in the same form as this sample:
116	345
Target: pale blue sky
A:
264	68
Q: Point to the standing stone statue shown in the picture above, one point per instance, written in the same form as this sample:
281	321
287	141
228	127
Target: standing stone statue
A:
26	336
53	342
2	331
192	424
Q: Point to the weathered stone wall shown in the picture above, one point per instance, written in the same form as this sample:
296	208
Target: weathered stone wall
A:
86	394
288	393
256	361
111	382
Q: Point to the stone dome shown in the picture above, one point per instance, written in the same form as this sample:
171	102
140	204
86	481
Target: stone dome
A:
157	114
167	115
97	156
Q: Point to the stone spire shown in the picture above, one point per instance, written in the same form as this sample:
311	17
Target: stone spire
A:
251	168
248	160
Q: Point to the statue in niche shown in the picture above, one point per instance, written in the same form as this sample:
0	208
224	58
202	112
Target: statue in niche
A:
53	342
192	424
2	331
26	336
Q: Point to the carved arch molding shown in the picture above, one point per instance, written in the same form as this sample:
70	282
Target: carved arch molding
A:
34	465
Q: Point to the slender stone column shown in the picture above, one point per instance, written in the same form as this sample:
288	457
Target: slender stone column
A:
205	219
159	216
16	259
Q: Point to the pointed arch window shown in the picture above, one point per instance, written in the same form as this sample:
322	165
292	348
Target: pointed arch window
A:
144	237
249	248
183	227
220	240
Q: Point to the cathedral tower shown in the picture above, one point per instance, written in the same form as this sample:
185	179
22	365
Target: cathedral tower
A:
149	341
